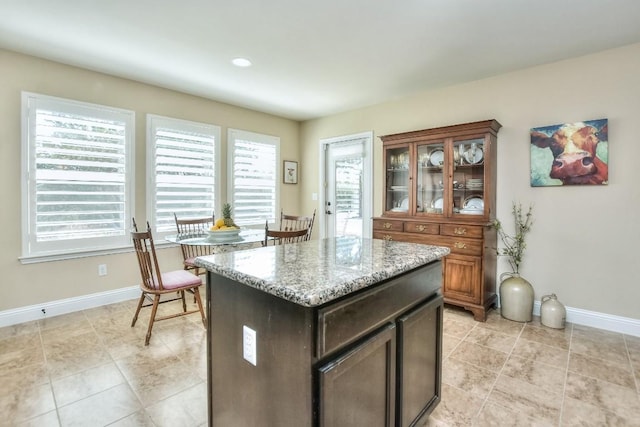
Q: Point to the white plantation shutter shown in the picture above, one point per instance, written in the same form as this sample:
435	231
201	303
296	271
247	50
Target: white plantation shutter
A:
182	167
254	177
77	160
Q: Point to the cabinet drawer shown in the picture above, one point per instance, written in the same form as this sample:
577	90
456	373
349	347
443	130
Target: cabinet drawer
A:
462	246
387	224
425	239
461	230
344	322
458	245
422	227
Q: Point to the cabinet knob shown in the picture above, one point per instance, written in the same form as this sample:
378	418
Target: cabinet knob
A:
460	245
421	227
387	237
387	225
460	231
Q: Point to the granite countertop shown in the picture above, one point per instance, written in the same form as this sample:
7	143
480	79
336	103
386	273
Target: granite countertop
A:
317	271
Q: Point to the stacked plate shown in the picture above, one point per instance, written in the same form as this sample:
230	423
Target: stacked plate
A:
475	184
473	205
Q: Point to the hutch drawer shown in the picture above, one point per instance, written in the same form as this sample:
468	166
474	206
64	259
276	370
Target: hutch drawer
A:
388	224
422	227
461	230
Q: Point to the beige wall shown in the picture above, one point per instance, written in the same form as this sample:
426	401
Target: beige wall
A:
584	242
23	285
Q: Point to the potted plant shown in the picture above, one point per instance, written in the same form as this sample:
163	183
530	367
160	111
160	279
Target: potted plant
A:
516	293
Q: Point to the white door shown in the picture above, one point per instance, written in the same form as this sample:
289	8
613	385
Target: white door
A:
346	179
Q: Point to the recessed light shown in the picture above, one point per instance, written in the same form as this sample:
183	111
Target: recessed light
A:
241	62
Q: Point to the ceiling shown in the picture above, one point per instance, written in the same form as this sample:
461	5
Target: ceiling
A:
313	58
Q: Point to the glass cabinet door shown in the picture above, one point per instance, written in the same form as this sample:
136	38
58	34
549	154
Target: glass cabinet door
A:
398	185
431	181
468	177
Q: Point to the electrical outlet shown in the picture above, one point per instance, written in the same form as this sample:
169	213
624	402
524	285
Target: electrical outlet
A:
102	270
249	345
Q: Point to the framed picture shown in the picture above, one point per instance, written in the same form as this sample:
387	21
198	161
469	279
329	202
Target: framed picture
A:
290	172
570	154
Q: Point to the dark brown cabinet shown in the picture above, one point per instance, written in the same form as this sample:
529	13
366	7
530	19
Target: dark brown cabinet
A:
439	189
358	387
372	358
391	378
419	385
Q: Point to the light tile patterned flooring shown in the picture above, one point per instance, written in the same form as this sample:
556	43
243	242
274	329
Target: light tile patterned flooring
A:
91	369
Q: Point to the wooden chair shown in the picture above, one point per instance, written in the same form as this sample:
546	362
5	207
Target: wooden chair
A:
194	227
294	222
156	284
280	237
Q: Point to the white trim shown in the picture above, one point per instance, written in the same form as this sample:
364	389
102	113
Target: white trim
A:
68	305
609	322
594	319
39	251
79	254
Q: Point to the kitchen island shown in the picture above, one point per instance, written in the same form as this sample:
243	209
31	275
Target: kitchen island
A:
334	332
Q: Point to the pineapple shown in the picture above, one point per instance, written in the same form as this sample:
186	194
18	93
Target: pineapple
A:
226	215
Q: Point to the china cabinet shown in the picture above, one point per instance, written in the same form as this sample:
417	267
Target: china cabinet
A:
439	189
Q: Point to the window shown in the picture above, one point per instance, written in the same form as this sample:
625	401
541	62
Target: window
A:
253	172
77	159
181	164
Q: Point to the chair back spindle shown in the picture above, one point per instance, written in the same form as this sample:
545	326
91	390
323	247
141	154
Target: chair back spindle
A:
280	237
194	227
147	260
296	222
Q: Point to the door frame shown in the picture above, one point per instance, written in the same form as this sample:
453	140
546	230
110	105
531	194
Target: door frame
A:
367	196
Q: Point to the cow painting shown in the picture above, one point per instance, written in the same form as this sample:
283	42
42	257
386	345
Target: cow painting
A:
570	154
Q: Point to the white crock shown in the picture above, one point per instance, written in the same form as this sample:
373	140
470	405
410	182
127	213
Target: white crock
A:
516	298
552	312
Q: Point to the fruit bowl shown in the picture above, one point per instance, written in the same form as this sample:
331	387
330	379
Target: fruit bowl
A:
218	235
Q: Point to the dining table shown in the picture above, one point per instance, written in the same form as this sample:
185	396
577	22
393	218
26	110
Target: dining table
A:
246	239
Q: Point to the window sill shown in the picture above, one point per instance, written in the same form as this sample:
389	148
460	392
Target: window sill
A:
34	259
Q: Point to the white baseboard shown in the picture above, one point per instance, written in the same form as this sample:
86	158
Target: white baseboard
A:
64	306
609	322
594	319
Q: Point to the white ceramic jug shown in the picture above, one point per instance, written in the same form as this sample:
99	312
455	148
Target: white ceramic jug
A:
516	297
552	312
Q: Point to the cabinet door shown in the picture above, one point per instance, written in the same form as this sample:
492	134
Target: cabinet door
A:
397	160
462	278
358	387
419	346
431	165
468	192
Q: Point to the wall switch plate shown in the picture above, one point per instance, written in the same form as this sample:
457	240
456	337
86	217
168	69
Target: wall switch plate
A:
102	270
314	196
249	344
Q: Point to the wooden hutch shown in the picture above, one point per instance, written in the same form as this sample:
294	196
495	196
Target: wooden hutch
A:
440	189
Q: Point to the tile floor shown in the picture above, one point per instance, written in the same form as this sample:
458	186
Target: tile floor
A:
91	369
